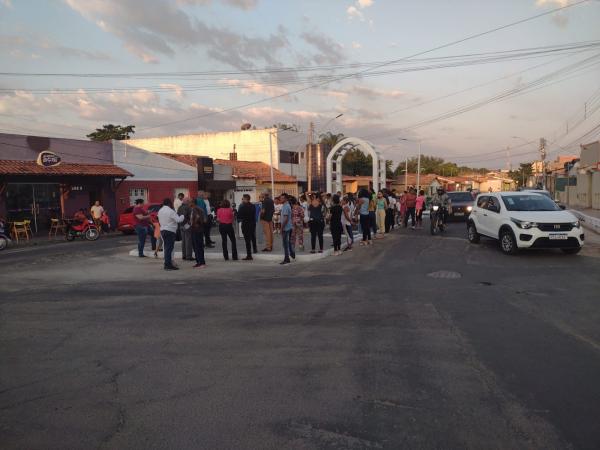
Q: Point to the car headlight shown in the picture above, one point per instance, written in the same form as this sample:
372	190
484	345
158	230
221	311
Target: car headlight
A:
436	207
469	208
526	225
576	224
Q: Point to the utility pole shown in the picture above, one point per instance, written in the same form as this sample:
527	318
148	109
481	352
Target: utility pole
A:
311	129
271	157
406	175
543	158
419	168
508	164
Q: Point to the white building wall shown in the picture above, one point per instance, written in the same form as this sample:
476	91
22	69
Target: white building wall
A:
250	145
145	165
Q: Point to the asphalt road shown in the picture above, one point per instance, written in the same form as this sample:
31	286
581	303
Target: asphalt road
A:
419	342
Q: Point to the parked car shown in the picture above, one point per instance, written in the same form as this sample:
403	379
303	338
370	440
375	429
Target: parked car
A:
521	220
462	205
126	223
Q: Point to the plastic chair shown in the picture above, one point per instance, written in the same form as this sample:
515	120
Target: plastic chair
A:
55	226
20	229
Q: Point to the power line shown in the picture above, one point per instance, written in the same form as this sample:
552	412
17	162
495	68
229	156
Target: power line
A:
465	39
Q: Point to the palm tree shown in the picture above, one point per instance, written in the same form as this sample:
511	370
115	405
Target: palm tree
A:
330	139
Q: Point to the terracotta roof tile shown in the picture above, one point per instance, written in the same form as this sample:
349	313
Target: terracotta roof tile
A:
256	169
13	167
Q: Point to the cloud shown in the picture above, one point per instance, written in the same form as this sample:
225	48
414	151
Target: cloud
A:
356	45
364	3
330	52
373	94
554	3
36	46
354	13
340	95
560	18
241	4
248	87
161	27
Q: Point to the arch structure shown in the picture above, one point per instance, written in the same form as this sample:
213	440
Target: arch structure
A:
336	155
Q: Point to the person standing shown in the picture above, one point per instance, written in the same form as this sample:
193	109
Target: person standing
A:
197	220
389	212
362	210
420	207
286	229
411	202
347	214
335	224
381	208
298	224
225	218
247	216
208	242
168	220
141	220
316	223
266	221
97	210
178	201
185	229
373	212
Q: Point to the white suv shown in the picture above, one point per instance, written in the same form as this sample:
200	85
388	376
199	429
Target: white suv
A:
524	220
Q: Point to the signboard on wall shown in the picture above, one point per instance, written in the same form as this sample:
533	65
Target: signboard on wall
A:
48	159
205	169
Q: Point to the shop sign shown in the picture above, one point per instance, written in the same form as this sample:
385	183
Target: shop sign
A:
48	159
205	168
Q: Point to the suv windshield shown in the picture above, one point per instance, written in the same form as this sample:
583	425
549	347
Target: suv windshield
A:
529	202
460	197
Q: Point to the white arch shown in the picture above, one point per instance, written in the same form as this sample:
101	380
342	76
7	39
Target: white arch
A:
336	155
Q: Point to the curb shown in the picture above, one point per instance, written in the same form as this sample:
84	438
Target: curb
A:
589	222
274	257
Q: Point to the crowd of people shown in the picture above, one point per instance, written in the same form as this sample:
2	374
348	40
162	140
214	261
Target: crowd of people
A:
372	214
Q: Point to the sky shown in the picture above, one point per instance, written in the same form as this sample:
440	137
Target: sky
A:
190	66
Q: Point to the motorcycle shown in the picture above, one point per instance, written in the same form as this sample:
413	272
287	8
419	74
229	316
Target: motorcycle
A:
4	239
436	219
86	230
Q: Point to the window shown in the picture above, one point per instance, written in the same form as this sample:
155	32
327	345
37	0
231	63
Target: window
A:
288	157
493	205
135	193
482	201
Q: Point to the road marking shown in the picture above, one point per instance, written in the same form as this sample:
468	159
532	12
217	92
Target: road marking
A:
445	274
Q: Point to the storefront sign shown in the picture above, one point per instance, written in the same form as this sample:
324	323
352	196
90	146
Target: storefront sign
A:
48	159
205	169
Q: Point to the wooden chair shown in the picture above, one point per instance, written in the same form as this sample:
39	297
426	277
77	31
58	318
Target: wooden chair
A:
19	229
56	225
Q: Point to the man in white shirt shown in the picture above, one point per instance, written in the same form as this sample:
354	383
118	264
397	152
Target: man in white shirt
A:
97	211
178	201
168	220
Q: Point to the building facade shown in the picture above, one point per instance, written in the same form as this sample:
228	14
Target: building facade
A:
285	150
42	178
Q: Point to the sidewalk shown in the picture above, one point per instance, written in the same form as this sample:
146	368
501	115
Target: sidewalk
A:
589	218
216	253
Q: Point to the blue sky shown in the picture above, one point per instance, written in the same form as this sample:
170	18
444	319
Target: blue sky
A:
237	36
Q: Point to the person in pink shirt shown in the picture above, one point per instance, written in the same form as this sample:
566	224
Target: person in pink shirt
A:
225	218
420	206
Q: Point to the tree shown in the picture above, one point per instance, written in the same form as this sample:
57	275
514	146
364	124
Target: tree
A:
330	139
110	131
438	166
521	174
357	163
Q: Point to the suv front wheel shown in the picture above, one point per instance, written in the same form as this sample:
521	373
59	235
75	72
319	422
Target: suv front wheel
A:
508	243
472	233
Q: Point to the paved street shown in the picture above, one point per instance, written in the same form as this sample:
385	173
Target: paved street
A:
420	342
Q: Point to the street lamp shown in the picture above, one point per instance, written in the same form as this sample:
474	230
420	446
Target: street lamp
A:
418	161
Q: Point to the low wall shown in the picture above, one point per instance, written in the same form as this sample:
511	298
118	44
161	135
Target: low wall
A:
593	223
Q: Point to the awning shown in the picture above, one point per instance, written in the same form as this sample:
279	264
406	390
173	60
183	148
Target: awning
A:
14	167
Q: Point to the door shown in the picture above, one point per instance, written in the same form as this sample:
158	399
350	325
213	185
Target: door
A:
491	217
37	202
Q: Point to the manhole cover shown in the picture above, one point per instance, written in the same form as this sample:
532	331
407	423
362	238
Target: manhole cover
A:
445	274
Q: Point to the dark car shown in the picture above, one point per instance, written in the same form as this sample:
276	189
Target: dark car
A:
126	223
462	205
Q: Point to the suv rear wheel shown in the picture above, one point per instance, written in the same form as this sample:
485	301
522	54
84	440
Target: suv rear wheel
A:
508	243
472	233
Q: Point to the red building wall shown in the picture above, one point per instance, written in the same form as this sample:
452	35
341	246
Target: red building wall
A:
157	190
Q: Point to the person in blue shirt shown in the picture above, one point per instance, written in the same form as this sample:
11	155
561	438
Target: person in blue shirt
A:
286	229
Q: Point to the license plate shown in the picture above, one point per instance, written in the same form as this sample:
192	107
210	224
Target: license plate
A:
459	214
556	236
